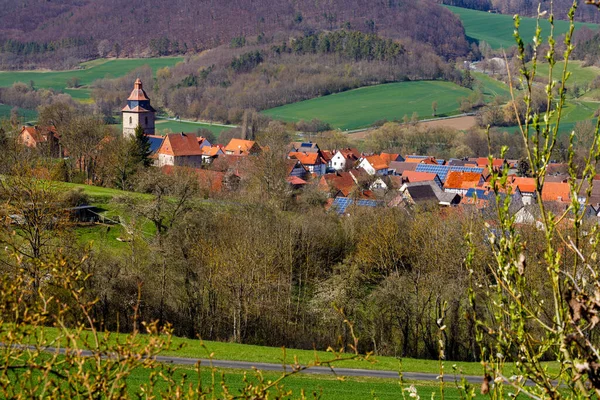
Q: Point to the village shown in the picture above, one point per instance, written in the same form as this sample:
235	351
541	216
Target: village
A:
347	177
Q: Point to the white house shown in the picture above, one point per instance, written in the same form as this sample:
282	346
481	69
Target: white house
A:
344	159
374	165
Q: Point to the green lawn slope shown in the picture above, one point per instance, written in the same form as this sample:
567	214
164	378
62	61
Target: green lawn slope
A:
360	108
497	29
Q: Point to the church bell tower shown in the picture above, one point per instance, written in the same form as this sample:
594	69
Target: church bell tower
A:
138	111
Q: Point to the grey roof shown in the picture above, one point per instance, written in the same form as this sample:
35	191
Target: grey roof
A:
428	191
400	166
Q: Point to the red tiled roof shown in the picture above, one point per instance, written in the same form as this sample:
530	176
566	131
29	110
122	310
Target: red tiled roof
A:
462	180
525	185
294	180
210	151
138	92
377	162
413	176
38	133
350	153
307	158
556	191
342	181
180	144
239	146
389	157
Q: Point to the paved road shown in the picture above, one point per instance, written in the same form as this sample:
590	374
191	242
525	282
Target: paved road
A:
416	376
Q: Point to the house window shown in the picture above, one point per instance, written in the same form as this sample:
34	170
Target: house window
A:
130	121
146	121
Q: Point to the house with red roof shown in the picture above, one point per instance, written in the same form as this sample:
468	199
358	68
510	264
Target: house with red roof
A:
374	165
556	191
497	163
460	182
344	159
526	186
242	147
414	177
179	149
210	153
422	160
391	157
296	169
313	161
337	184
43	138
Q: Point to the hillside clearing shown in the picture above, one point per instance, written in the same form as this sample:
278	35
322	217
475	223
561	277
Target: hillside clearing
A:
497	29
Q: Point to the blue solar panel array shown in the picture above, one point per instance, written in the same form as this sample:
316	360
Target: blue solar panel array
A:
441	162
481	194
443	170
342	203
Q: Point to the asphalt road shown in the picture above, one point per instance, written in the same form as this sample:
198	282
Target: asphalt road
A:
415	376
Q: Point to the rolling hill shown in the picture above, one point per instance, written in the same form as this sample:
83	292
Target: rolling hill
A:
139	27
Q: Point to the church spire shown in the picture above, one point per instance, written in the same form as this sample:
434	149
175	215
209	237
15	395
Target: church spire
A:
138	111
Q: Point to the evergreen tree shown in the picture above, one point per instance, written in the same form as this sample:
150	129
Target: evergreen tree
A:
141	148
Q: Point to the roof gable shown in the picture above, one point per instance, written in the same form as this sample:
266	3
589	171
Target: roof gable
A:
180	145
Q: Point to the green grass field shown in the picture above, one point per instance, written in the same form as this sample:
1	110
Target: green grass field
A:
328	387
26	115
497	29
190	348
359	108
579	75
491	87
163	125
89	72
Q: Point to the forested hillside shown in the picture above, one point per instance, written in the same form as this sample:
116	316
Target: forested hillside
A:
41	31
528	8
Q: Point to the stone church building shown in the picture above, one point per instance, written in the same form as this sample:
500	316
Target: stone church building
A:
138	111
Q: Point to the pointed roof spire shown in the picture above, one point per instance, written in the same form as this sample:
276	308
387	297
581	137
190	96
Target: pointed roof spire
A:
138	92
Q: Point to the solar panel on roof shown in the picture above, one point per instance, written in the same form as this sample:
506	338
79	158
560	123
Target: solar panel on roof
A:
342	203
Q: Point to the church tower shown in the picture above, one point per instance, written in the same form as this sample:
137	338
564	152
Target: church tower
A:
138	111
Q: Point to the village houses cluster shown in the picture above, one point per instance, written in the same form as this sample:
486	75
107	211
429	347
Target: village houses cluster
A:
348	177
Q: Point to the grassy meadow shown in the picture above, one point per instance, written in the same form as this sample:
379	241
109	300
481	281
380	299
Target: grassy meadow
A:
164	125
328	387
88	73
359	108
497	29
